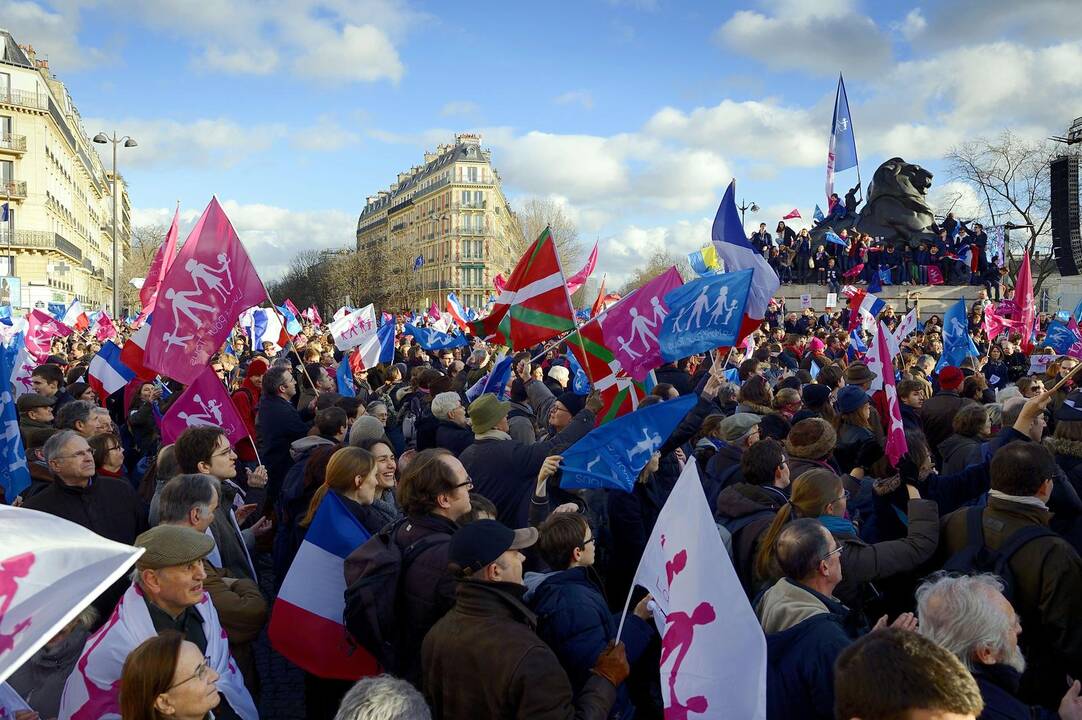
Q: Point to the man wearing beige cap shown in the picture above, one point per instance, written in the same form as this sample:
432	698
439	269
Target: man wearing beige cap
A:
166	594
484	657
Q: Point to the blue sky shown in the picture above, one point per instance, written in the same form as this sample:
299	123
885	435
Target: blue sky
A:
634	115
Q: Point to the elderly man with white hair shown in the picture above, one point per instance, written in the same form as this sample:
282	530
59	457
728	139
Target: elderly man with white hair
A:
969	616
453	428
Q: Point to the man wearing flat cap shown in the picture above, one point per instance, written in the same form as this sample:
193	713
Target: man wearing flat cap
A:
738	432
35	418
166	594
484	657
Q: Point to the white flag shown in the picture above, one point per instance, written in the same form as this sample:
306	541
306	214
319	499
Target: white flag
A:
713	651
873	358
351	330
907	325
50	569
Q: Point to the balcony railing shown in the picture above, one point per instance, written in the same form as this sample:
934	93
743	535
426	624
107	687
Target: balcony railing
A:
37	101
13	188
12	143
40	240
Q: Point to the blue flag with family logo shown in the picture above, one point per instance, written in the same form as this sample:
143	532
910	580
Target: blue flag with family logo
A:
580	383
344	376
14	473
1059	337
430	339
613	455
957	344
704	314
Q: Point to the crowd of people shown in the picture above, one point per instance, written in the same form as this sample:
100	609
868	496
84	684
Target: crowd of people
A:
958	255
947	582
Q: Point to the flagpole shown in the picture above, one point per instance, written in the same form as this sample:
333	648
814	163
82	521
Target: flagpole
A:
571	305
274	309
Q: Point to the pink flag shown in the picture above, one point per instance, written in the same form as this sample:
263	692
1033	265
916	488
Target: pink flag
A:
204	402
209	285
793	214
935	277
313	315
579	279
896	444
40	331
106	329
499	282
994	323
159	266
631	326
1023	298
292	308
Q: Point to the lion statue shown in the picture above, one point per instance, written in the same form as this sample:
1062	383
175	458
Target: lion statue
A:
897	207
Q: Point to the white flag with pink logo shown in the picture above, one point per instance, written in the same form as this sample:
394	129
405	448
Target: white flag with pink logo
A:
881	362
713	651
50	569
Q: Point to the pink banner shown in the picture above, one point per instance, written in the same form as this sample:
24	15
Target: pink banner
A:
994	322
40	331
204	402
935	277
1023	298
106	329
209	285
579	279
159	267
631	327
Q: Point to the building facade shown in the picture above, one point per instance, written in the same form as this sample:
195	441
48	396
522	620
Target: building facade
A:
56	236
453	221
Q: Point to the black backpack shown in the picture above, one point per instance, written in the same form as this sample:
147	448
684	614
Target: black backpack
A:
975	557
374	573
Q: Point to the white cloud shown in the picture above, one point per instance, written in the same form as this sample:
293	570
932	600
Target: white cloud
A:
582	98
252	61
53	34
632	246
325	136
951	22
817	37
912	26
457	108
202	143
361	53
959	197
271	235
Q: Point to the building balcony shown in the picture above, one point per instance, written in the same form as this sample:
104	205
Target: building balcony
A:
11	143
22	98
470	205
40	240
13	189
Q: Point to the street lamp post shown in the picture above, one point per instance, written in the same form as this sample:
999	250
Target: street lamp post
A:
746	206
128	141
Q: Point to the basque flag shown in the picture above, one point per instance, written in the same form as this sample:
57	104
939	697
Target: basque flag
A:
306	622
107	373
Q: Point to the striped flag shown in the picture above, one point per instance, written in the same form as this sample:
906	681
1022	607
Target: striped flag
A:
306	622
107	373
132	352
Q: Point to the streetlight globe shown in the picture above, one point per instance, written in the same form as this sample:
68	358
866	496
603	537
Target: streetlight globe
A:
130	142
754	207
101	138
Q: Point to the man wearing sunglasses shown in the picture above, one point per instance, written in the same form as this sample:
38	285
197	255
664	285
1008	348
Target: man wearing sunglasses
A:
166	594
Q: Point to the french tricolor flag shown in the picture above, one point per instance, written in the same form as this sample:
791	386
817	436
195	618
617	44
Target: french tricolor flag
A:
863	309
306	622
457	311
132	352
107	373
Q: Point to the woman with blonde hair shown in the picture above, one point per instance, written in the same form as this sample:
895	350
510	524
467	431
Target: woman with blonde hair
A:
820	494
351	476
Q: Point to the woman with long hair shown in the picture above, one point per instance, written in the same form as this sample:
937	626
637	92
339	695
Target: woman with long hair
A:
820	494
351	476
167	677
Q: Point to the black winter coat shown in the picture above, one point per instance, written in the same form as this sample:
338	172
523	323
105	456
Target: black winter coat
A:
452	437
631	520
279	424
999	690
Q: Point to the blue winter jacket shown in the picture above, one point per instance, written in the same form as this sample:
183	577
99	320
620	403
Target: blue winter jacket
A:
574	620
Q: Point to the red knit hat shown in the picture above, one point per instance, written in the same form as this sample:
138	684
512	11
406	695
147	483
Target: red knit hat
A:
950	378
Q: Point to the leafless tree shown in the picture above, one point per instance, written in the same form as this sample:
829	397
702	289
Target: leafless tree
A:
659	262
535	213
1011	175
145	242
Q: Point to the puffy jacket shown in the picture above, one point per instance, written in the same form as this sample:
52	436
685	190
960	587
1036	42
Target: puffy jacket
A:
805	633
483	659
575	621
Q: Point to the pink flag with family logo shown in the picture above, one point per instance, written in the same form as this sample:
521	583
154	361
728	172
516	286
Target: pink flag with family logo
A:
209	285
631	327
713	651
204	402
106	330
40	331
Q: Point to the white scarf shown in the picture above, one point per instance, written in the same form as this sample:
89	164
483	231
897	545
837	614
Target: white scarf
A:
93	688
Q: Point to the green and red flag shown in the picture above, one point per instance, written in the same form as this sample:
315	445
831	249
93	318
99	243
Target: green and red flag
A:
620	393
534	306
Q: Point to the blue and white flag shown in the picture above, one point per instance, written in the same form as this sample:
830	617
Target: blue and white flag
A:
856	345
5	212
14	473
418	262
832	237
813	369
344	376
580	382
733	375
884	276
737	253
1078	312
957	344
499	377
293	325
818	215
433	339
57	310
704	314
613	455
842	153
1059	337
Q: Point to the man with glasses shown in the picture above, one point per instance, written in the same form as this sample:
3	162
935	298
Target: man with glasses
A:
166	593
805	624
573	616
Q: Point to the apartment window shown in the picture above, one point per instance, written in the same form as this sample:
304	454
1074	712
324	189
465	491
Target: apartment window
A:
7	171
5	84
478	198
471	173
5	125
465	197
